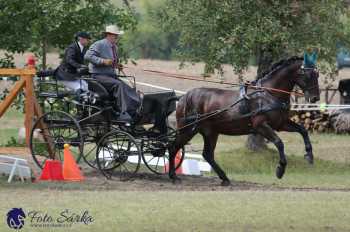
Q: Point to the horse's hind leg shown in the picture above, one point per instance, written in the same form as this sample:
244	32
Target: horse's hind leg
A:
210	141
265	130
294	127
180	141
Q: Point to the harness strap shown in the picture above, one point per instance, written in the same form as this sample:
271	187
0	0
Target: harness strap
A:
201	117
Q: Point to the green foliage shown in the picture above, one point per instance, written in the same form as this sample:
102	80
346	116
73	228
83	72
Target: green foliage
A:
40	24
12	142
232	31
149	40
8	62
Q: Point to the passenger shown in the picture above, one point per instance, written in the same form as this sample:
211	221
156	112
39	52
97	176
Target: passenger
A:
67	72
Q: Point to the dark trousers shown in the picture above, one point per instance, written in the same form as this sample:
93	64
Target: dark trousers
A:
126	98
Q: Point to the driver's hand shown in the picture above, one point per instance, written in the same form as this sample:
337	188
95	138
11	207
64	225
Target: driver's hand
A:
107	62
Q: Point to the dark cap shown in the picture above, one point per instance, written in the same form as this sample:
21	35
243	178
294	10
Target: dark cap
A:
82	34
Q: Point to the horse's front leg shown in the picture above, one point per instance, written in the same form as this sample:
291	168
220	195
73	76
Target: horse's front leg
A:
180	141
291	126
266	131
172	173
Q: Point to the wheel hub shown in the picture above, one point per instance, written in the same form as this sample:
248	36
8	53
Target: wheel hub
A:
120	156
59	143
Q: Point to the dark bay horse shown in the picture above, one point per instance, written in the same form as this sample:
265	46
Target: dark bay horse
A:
258	110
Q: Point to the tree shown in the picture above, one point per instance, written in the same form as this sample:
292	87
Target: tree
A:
40	24
233	31
148	40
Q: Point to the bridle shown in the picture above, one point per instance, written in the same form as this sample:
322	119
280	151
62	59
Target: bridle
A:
302	72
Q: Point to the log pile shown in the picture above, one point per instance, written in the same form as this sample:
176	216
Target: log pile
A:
314	121
340	121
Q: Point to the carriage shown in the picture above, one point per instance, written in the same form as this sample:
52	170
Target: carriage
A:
96	137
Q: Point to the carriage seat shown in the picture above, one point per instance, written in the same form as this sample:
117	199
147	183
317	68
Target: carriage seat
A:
98	89
47	78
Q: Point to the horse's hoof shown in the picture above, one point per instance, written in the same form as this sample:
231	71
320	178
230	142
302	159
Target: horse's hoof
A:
309	158
226	183
280	171
176	180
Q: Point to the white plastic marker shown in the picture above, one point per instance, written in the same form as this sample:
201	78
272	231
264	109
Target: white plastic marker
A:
160	87
321	107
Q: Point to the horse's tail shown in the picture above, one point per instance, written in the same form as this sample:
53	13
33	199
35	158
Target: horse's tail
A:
184	109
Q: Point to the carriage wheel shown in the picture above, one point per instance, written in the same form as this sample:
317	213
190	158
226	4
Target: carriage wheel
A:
49	134
93	135
159	163
118	153
90	154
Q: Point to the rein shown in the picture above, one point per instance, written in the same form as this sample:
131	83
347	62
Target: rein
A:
194	78
277	90
201	117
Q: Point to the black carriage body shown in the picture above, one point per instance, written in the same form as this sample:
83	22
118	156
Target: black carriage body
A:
93	119
156	107
344	89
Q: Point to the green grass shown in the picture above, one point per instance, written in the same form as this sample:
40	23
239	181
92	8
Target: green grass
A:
325	146
10	122
190	211
242	161
243	165
6	134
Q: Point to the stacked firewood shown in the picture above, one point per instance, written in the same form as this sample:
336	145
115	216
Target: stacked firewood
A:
315	121
340	121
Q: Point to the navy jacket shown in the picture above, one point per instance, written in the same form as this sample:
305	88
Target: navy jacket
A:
73	59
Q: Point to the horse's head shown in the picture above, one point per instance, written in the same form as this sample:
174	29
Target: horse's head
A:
307	80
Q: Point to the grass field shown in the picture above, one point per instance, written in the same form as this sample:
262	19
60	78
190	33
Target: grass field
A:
308	198
190	211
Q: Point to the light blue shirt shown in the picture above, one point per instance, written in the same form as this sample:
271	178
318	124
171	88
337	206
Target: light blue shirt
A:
98	51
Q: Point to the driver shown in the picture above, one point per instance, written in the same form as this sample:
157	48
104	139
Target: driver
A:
103	58
67	72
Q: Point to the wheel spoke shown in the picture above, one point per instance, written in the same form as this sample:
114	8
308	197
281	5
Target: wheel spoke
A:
56	128
125	167
149	161
120	147
157	163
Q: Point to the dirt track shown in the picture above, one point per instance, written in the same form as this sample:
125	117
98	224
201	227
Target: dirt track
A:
152	182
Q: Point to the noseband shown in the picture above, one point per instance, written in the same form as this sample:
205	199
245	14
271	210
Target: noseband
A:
302	72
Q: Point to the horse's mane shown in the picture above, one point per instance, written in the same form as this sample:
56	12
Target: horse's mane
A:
280	64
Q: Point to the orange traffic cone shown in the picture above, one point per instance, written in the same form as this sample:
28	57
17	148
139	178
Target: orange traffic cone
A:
177	161
71	171
52	171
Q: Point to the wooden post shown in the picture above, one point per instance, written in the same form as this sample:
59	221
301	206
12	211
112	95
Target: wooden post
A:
46	134
25	82
29	106
29	94
11	96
